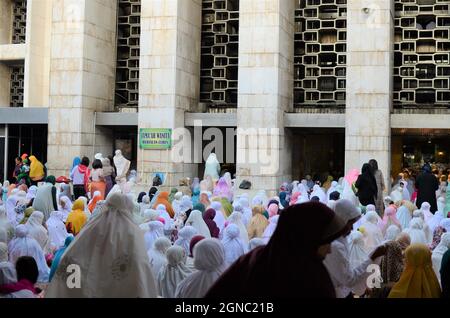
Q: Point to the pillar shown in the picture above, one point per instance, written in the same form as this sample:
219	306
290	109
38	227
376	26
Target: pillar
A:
169	83
82	72
370	28
266	54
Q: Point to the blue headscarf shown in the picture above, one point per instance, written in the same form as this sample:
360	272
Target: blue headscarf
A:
76	162
59	253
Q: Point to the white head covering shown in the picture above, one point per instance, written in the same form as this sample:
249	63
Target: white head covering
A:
98	156
8	273
6	229
425	208
232	244
416	231
392	232
37	231
118	264
31	194
268	232
440	205
302	188
373	236
209	261
186	203
404	216
212	167
426	229
155	230
318	192
445	223
3	252
434	222
157	254
346	210
405	192
10	205
173	272
219	218
439	252
24	245
236	218
332	189
86	208
162	212
196	220
348	193
246	210
357	256
185	236
67	207
255	242
56	230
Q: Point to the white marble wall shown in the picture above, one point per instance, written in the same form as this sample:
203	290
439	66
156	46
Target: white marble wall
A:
169	79
369	83
5	21
81	77
38	48
265	89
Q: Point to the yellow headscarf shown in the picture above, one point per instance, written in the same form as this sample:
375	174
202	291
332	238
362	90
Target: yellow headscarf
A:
258	223
76	219
418	279
36	168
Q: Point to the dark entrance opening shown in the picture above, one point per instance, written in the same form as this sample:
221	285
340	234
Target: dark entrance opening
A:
318	152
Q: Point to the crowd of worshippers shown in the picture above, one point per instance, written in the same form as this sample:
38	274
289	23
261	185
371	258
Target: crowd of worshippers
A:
208	238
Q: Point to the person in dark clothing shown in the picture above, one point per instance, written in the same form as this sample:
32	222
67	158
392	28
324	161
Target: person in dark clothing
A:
367	186
426	185
17	168
291	264
445	275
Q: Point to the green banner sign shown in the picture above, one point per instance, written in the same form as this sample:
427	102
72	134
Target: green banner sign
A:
155	138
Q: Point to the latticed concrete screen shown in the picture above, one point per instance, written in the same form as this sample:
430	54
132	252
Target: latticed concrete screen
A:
421	58
16	88
128	52
19	21
219	50
320	53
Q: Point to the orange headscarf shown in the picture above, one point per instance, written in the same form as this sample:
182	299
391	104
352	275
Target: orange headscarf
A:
93	203
163	198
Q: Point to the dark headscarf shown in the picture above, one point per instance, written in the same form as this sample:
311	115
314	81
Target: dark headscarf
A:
445	275
194	242
291	259
209	216
335	195
426	168
392	263
140	196
51	179
152	192
282	196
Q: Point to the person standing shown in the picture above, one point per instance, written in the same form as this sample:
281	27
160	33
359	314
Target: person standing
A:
37	172
426	185
80	178
367	186
17	168
379	178
46	199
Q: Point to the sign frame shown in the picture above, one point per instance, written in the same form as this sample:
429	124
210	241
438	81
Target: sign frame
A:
154	139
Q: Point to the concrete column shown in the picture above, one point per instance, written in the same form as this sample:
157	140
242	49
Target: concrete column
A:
266	54
5	84
5	21
370	28
81	77
169	82
38	48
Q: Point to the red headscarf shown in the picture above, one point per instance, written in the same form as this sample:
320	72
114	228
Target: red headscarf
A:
291	257
85	170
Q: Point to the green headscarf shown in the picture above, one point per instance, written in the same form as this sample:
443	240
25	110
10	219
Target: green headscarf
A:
51	179
200	207
227	207
172	194
27	214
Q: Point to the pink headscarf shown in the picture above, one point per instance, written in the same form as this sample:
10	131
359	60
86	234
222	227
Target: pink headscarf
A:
389	218
222	189
272	209
352	176
294	198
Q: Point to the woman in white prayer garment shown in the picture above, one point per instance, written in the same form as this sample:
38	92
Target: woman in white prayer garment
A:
209	261
157	254
173	273
118	265
232	244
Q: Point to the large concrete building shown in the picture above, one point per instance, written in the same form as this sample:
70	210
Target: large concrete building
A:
338	81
